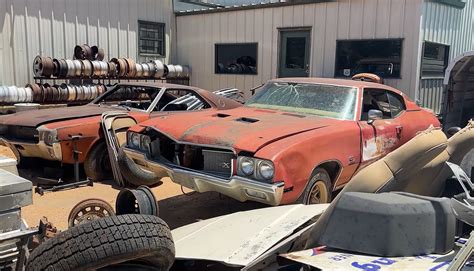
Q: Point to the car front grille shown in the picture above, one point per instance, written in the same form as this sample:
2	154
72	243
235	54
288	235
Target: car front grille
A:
217	162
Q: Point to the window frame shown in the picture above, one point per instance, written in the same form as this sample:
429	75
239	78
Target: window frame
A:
446	58
163	40
398	97
235	43
338	42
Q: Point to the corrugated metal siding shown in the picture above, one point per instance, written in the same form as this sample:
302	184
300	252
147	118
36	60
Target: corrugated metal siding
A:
447	25
342	19
54	27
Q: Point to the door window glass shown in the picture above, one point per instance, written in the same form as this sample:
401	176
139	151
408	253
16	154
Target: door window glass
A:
381	57
295	52
180	100
375	99
237	58
396	104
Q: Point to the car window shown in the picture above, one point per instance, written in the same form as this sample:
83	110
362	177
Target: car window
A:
397	105
180	100
136	97
376	99
315	99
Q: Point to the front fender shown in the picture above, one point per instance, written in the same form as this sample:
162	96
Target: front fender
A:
296	157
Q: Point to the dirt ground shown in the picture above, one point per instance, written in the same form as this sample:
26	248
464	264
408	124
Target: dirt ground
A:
176	208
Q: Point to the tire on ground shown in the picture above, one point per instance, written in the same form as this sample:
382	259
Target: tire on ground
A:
105	242
319	177
94	165
133	174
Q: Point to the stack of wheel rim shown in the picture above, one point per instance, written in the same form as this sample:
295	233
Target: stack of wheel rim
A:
50	94
13	94
88	63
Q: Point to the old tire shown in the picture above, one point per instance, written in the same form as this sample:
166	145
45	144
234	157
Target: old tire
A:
318	189
133	174
105	242
97	163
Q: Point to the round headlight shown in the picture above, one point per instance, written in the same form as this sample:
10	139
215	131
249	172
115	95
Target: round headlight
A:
146	143
135	140
247	166
266	170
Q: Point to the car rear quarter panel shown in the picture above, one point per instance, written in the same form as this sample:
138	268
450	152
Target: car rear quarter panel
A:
296	157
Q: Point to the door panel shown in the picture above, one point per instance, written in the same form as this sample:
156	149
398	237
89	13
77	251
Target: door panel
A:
378	139
294	53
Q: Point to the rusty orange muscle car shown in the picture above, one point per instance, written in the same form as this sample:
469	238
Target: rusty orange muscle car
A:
49	133
295	140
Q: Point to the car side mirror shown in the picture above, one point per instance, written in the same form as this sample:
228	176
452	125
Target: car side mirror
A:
374	115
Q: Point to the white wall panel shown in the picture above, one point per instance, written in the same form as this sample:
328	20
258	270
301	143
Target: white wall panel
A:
329	21
54	27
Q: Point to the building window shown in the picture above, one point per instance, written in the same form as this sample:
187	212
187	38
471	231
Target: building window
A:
435	59
151	38
236	58
381	57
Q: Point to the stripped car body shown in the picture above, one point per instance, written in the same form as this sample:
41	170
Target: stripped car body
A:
48	133
291	131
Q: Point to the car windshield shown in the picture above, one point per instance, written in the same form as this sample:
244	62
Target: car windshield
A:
317	99
130	97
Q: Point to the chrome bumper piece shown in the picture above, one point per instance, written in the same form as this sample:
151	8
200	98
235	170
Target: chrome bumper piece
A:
236	187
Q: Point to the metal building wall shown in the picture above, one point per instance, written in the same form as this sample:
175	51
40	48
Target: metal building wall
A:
54	27
446	25
330	21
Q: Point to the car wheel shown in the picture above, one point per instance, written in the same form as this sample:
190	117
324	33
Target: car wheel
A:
106	242
318	189
97	163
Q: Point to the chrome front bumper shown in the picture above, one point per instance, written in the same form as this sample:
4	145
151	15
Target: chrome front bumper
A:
236	187
37	150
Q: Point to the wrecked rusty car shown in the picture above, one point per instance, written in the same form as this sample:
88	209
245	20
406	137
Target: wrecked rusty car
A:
295	140
56	134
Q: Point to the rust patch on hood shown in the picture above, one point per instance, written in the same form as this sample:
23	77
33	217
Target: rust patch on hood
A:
35	118
242	128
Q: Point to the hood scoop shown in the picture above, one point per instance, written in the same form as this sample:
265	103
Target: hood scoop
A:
247	120
221	115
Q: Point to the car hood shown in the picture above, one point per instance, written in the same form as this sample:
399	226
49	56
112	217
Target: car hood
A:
239	238
34	118
242	128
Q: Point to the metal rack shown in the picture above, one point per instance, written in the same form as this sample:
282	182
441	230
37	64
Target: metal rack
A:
105	80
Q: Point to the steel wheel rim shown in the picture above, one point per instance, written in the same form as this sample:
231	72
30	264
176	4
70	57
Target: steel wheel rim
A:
90	213
318	193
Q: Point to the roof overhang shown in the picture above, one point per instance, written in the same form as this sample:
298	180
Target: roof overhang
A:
251	6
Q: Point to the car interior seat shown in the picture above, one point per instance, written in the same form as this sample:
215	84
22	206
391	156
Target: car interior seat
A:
419	166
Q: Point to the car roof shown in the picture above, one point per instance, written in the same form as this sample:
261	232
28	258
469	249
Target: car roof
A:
335	81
